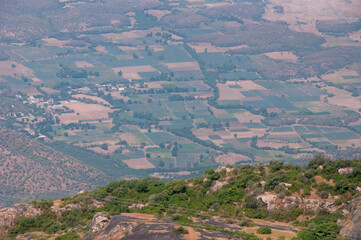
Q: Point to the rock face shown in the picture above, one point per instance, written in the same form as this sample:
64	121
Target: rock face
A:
344	171
99	222
274	202
352	228
218	185
130	226
8	215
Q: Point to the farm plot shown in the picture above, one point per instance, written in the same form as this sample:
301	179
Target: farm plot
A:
34	53
83	111
164	137
227	93
132	72
231	158
8	68
138	163
182	66
285	56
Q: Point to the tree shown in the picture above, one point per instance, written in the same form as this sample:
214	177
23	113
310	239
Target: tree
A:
120	74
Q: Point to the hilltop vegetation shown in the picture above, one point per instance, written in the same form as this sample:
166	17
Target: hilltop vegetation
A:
234	195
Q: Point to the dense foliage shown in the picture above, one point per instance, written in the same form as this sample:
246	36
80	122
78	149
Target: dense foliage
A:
236	201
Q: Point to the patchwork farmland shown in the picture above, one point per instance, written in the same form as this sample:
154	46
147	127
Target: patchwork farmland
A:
148	93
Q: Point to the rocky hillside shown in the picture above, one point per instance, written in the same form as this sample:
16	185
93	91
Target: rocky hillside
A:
276	201
31	170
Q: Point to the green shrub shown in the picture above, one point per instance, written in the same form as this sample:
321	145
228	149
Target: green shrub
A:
264	230
68	236
181	230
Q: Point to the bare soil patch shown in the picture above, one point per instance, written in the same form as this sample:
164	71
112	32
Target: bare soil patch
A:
320	179
140	215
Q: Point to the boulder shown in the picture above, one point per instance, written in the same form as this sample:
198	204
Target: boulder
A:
352	227
100	221
8	215
270	200
344	171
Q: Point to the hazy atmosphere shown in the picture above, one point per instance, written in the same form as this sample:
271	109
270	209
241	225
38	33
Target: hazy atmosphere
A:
97	91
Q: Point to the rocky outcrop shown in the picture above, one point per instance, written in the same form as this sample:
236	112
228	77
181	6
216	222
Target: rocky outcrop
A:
345	171
275	202
100	221
70	206
8	215
130	226
352	227
269	200
224	168
138	205
218	185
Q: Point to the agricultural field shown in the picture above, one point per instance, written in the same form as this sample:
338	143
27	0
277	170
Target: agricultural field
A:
148	93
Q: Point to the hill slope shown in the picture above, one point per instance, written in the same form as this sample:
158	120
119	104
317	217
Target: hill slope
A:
249	202
31	170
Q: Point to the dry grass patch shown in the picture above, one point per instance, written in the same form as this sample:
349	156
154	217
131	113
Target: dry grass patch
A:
201	47
343	98
309	11
285	56
338	76
139	163
158	13
129	48
231	158
249	85
140	215
227	93
156	48
135	69
277	144
129	138
111	149
49	90
83	64
247	117
83	111
53	42
183	66
6	68
94	98
101	49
